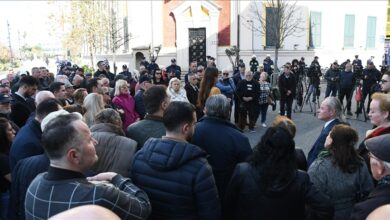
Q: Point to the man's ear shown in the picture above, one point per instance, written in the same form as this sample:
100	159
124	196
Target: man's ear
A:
73	156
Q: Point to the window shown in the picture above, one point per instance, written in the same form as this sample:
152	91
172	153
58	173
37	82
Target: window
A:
125	34
349	31
371	31
315	29
270	24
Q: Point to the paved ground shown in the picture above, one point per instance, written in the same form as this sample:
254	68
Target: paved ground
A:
308	126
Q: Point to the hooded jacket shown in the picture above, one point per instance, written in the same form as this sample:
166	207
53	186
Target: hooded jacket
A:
177	179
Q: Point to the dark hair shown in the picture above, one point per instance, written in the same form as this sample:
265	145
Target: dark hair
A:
92	83
153	97
177	114
28	81
55	86
274	158
5	144
208	81
46	107
342	149
80	69
60	134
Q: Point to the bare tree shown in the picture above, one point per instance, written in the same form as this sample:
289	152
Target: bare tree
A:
280	20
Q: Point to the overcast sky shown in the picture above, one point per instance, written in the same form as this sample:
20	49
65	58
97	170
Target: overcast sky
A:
30	17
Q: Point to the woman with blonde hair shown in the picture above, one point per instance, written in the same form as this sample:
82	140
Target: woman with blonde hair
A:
125	103
176	91
93	104
380	117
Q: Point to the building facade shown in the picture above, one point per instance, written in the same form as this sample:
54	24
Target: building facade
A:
192	30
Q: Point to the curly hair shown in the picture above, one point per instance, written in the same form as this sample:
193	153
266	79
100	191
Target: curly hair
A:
274	158
208	82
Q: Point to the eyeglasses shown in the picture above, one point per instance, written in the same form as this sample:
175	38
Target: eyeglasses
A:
226	74
384	81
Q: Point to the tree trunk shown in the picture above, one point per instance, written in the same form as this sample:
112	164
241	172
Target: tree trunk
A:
275	75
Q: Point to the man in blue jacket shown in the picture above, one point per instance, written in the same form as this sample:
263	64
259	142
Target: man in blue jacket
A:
330	111
223	141
174	173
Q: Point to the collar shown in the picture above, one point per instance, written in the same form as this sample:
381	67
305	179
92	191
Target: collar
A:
17	93
328	122
174	139
153	117
55	173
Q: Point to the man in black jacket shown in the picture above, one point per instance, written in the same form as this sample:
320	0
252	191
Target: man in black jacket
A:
287	85
22	104
380	168
371	76
192	88
332	77
248	91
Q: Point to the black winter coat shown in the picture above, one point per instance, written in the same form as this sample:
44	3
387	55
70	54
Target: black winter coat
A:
249	89
287	84
378	197
244	200
177	179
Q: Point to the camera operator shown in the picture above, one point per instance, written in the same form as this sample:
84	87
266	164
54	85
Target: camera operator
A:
357	68
370	77
295	69
347	82
332	77
254	64
268	65
314	74
302	65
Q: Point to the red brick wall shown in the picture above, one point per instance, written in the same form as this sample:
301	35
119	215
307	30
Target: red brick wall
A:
169	23
224	23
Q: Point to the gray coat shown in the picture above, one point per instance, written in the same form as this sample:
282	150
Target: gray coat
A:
115	151
141	131
340	187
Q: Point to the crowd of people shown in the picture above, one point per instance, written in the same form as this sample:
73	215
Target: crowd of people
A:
145	146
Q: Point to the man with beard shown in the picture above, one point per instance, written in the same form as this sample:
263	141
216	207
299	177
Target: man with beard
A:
174	173
70	147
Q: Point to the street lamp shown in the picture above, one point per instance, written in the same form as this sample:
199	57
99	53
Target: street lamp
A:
251	21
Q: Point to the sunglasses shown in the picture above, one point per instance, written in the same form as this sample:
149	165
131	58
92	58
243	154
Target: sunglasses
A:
226	74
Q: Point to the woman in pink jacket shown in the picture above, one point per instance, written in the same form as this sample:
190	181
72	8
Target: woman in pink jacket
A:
125	103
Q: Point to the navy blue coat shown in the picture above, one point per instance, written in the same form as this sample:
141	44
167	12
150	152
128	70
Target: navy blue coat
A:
226	146
23	174
319	144
177	179
27	143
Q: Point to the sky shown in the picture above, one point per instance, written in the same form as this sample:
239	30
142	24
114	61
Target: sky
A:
30	17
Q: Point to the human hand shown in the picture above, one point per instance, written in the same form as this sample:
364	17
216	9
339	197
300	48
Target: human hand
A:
107	176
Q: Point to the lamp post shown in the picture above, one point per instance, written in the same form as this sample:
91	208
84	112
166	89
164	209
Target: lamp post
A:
251	21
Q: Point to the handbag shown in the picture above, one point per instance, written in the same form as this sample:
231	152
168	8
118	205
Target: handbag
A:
359	94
